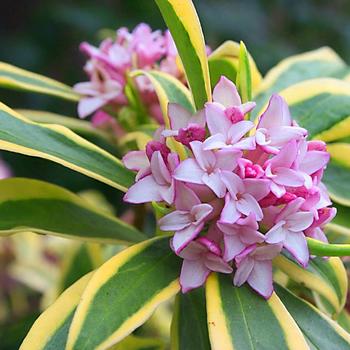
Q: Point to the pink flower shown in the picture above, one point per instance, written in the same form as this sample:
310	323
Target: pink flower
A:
278	170
201	257
254	266
288	230
242	197
239	235
98	92
310	161
159	185
325	215
206	166
275	127
185	127
187	220
225	118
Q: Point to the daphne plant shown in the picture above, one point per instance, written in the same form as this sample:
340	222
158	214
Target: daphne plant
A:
236	172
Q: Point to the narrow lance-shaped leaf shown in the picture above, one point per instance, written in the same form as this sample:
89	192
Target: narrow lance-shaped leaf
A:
325	277
37	206
321	332
224	61
239	319
126	289
182	20
81	127
61	145
16	78
244	78
50	330
323	62
189	329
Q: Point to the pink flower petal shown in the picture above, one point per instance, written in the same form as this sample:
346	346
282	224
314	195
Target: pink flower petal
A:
214	182
277	233
286	156
233	182
216	118
258	188
193	251
233	246
178	115
226	159
295	243
276	113
225	93
88	105
247	204
193	275
205	159
185	198
216	263
189	171
229	213
159	169
244	269
136	160
300	221
314	161
200	211
288	177
175	221
216	141
143	191
279	136
238	130
266	252
260	278
185	236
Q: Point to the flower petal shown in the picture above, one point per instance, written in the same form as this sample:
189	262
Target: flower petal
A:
260	279
216	263
314	161
214	182
276	234
175	221
185	198
296	244
189	171
183	237
193	275
225	92
229	213
178	115
300	221
233	246
248	204
143	191
216	118
288	177
243	271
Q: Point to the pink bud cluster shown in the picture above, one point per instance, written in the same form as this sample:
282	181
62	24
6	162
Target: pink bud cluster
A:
243	194
109	64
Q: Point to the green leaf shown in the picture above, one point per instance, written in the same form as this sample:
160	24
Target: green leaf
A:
37	206
182	20
189	329
81	127
337	180
240	319
344	320
61	145
168	89
219	66
20	79
321	332
139	343
323	62
50	330
224	61
325	277
126	290
244	78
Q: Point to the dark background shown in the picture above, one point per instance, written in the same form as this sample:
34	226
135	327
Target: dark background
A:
43	36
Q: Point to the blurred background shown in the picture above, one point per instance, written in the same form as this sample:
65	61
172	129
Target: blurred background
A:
43	36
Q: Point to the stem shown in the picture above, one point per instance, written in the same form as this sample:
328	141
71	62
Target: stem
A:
325	249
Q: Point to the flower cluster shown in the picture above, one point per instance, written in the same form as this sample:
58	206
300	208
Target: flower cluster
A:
243	194
109	64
